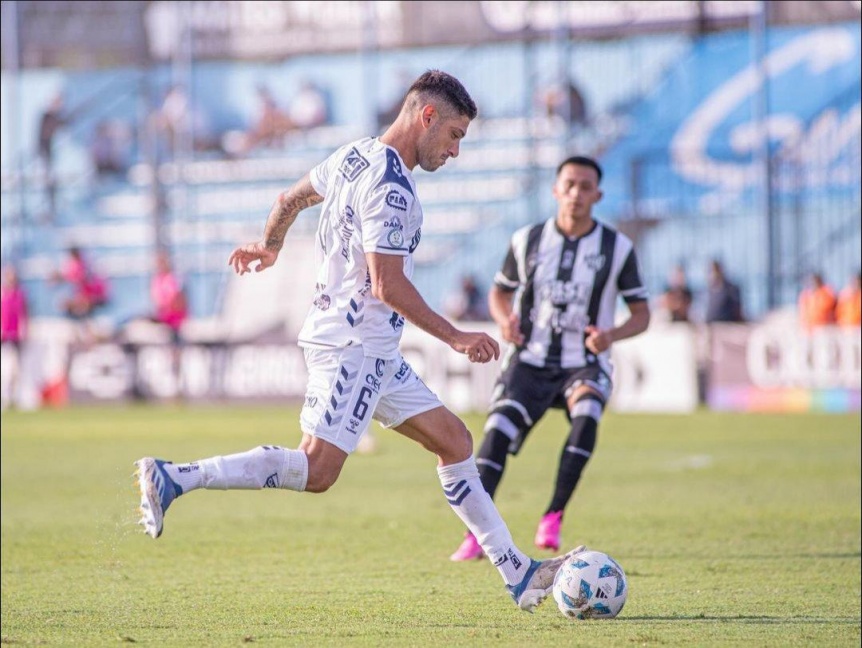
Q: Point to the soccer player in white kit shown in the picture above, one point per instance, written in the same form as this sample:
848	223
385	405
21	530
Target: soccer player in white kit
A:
370	225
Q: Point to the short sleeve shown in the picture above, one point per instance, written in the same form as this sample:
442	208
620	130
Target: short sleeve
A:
384	220
507	277
629	282
319	175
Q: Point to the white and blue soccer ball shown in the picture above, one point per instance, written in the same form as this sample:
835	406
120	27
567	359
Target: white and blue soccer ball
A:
590	585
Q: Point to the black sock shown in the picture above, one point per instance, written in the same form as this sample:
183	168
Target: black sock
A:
491	459
576	453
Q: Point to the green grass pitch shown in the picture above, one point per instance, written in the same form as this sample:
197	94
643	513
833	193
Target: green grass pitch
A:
733	530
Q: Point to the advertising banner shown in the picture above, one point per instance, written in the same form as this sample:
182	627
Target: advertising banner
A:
783	369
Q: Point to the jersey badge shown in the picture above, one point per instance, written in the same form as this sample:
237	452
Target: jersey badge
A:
595	262
395	238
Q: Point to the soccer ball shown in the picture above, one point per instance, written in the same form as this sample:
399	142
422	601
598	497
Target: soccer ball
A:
590	585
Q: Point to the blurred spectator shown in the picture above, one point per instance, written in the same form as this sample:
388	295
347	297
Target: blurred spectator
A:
468	303
168	296
565	101
109	147
816	303
13	308
272	123
309	107
848	311
677	297
181	127
171	120
723	303
52	120
13	329
89	290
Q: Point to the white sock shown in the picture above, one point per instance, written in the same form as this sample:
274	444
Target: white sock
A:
262	467
471	503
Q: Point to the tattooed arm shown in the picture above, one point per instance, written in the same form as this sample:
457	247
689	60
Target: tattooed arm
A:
281	217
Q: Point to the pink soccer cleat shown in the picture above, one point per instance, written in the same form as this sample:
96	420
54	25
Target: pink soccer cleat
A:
469	550
548	533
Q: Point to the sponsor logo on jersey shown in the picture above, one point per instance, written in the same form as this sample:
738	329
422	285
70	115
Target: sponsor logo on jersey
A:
372	381
394	223
563	293
353	164
379	366
395	238
396	200
403	372
345	230
311	401
396	321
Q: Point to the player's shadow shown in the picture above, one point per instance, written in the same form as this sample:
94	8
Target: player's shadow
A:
765	620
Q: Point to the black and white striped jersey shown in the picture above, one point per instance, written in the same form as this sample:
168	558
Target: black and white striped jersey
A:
564	284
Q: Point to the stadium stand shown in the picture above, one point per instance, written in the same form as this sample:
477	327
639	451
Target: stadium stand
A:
673	118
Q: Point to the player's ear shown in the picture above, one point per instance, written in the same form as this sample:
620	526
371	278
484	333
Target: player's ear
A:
599	194
428	115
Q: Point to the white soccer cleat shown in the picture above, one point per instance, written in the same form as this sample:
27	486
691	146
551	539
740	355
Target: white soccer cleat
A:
538	582
157	490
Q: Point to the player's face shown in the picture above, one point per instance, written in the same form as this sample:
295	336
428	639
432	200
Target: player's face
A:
441	140
577	190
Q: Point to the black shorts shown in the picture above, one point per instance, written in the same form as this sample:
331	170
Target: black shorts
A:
538	389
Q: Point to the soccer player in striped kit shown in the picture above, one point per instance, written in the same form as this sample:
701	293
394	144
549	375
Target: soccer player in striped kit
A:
555	300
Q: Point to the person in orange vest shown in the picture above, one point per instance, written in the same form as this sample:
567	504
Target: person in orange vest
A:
848	311
816	303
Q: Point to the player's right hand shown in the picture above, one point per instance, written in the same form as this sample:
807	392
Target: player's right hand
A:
478	347
243	256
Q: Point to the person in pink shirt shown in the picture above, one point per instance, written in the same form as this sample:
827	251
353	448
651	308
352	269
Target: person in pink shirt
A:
166	291
89	289
13	324
13	309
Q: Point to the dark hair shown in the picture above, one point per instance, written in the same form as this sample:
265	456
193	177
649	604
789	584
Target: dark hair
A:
440	85
581	160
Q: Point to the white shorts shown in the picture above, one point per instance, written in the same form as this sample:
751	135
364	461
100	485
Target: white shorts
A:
346	389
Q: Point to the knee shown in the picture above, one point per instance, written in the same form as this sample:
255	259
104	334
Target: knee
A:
320	479
458	445
322	474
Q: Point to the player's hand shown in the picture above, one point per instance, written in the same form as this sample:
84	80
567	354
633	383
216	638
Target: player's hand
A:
243	256
510	330
478	347
597	339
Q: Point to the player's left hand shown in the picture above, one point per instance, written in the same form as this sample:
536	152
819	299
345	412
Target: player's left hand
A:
597	339
243	256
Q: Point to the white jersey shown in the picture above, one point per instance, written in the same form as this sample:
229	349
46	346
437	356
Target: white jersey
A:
369	205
